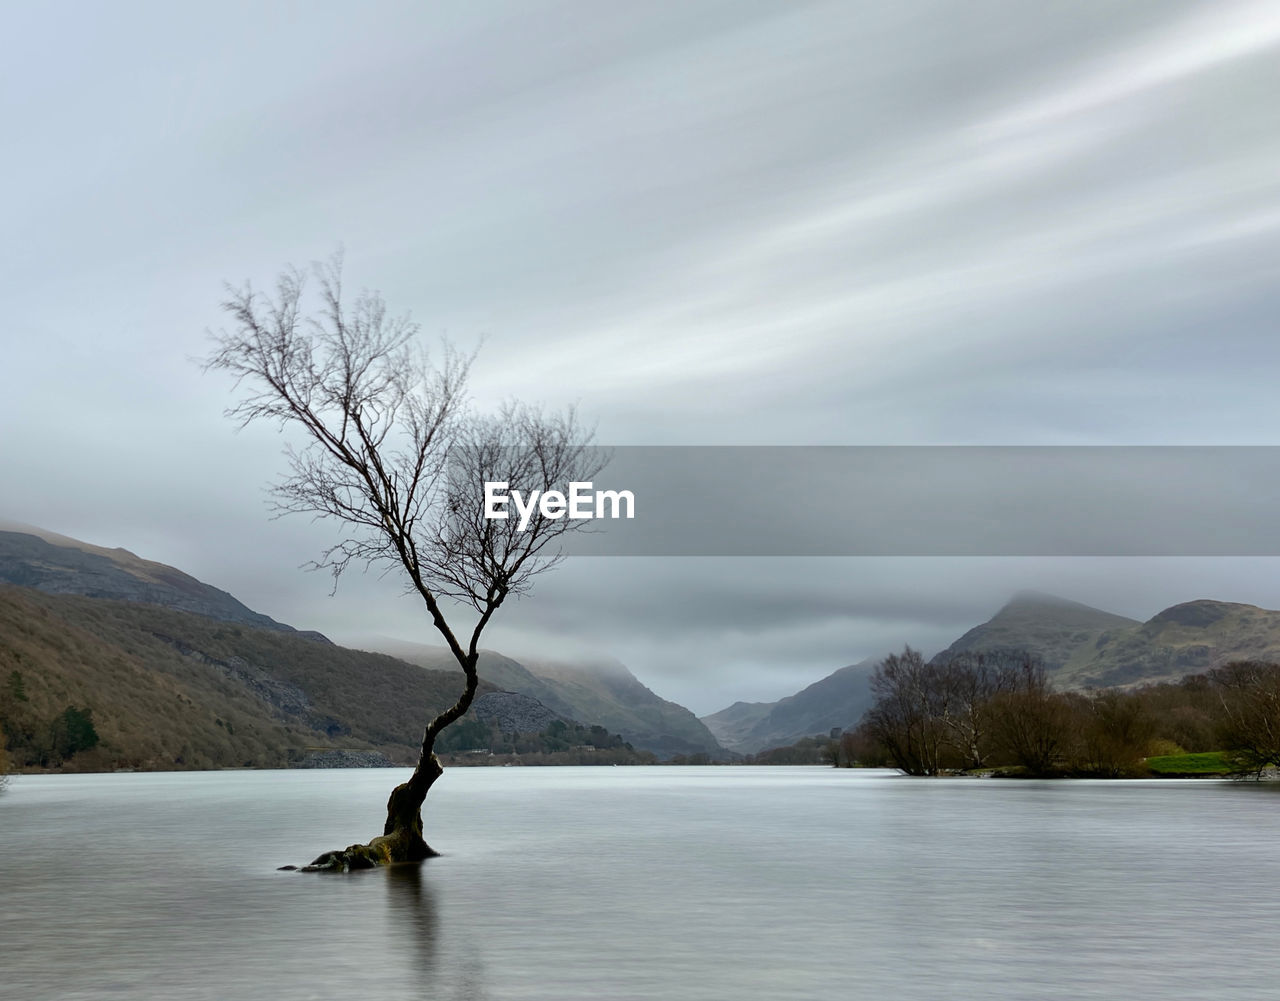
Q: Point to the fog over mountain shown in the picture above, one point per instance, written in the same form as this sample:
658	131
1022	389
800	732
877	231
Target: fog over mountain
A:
730	222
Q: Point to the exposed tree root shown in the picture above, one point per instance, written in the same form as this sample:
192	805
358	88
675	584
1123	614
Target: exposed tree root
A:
401	839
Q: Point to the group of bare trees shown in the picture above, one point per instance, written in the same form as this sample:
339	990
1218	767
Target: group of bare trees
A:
979	710
999	710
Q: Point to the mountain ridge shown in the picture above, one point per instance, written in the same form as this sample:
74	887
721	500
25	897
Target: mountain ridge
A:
58	564
1190	637
1080	646
1045	625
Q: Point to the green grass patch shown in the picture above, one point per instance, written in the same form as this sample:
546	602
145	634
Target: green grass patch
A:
1204	763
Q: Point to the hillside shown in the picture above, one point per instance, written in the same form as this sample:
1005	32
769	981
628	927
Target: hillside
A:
838	700
603	692
169	689
55	564
731	726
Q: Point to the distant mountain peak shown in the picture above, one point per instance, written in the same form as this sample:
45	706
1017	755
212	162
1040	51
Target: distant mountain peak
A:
1045	625
1030	598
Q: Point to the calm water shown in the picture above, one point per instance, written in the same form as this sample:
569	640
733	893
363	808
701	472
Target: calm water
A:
622	883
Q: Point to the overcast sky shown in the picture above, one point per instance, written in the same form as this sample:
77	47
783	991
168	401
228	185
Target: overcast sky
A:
703	222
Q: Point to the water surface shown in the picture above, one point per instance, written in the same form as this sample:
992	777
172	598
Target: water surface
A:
631	883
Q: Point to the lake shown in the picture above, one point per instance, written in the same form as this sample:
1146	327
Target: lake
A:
641	883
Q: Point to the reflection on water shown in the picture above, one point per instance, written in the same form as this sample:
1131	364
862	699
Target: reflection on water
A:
638	883
412	911
413	914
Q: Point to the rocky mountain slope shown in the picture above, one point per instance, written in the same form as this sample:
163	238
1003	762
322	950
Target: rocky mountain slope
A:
512	712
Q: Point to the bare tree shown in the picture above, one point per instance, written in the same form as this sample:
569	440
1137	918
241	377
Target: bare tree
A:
935	716
1248	694
970	680
1113	732
860	748
906	718
391	450
1029	723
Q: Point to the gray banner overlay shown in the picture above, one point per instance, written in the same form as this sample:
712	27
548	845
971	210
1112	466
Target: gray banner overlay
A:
937	501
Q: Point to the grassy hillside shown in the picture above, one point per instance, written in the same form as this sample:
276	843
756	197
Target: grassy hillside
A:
168	689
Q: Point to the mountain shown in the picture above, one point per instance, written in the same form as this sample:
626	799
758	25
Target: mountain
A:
169	689
1055	629
1050	627
151	627
602	691
56	564
1084	647
838	700
732	726
1189	638
176	673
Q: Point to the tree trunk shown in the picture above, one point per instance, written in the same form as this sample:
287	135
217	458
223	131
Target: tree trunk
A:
401	839
403	828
